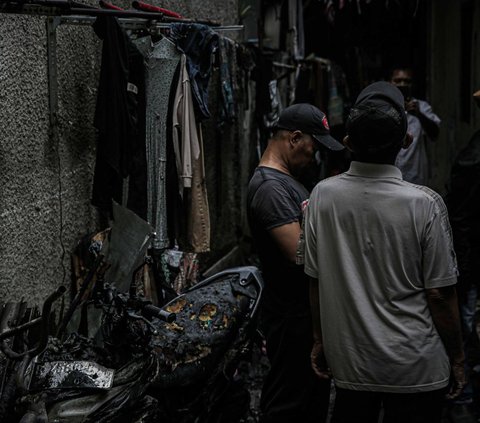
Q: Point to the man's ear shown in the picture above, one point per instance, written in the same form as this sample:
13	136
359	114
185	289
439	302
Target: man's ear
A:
407	141
295	137
347	143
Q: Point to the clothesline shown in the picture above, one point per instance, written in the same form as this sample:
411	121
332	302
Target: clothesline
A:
71	12
133	23
308	59
128	23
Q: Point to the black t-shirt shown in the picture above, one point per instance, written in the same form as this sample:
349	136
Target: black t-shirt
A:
274	199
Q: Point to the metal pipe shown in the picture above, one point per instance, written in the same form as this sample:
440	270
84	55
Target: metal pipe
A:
67	8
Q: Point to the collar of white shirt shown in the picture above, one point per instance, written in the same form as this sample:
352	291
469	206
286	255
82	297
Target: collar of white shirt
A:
373	170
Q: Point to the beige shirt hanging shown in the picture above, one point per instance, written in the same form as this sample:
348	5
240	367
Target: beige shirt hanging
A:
185	132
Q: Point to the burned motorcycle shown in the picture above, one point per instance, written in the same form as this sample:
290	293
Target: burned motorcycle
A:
174	363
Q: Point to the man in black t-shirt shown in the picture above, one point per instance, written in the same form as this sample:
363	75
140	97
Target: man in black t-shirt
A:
291	392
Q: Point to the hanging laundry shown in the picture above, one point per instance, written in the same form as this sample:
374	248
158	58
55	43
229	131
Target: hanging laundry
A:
198	225
198	42
185	131
161	59
335	102
228	81
270	119
246	64
119	115
296	43
188	148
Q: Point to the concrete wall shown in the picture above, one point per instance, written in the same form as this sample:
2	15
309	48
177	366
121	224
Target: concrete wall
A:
46	183
446	75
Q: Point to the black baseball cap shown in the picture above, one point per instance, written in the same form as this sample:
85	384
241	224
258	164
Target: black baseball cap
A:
311	120
378	116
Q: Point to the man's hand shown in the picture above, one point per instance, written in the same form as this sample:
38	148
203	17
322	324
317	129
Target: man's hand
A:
319	363
412	107
458	382
443	305
430	127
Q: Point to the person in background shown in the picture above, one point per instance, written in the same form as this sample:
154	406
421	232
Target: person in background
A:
423	124
380	256
291	392
463	201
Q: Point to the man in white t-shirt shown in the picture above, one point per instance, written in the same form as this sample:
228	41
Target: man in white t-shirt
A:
423	124
379	253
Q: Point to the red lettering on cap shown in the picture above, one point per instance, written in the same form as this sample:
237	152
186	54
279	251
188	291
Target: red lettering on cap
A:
325	123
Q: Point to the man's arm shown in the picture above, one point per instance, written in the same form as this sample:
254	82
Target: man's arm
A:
429	125
286	237
443	306
319	363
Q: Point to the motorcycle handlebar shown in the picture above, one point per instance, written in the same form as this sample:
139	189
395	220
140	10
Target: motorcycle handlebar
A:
152	311
43	321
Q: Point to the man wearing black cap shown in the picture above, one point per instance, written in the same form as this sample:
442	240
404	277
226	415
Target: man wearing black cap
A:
379	253
291	392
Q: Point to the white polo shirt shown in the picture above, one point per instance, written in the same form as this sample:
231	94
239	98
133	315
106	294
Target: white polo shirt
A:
375	243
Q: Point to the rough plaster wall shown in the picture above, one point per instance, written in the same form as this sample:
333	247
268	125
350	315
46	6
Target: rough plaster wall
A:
45	189
46	182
